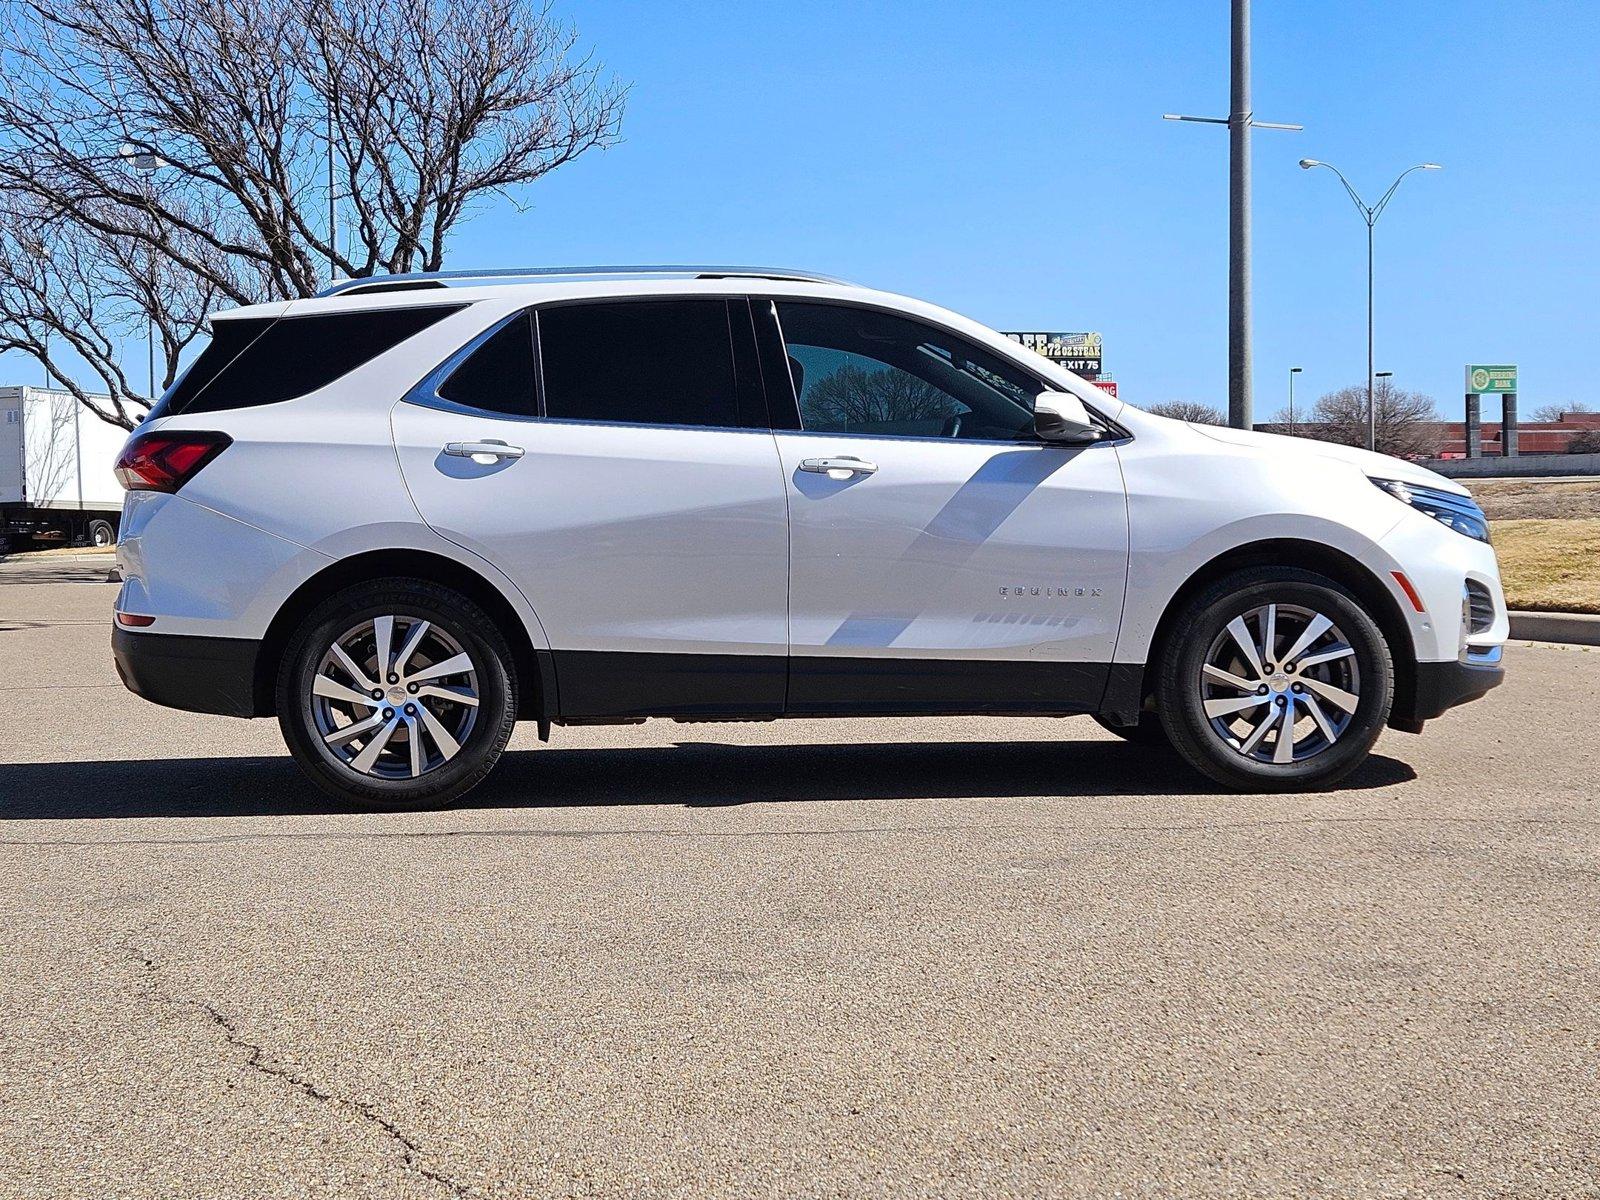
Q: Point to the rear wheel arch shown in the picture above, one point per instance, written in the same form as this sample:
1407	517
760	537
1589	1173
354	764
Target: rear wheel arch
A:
534	673
1350	573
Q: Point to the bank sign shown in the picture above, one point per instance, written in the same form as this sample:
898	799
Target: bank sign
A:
1077	352
1486	381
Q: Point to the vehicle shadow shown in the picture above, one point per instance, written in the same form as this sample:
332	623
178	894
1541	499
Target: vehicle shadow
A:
693	774
19	572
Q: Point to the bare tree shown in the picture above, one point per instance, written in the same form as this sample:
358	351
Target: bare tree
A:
159	157
66	285
1406	421
1189	410
1587	442
1552	413
853	395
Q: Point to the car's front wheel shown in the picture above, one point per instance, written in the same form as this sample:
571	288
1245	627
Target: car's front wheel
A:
398	693
1279	680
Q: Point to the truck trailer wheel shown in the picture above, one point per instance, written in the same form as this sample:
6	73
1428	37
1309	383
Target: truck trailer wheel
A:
101	533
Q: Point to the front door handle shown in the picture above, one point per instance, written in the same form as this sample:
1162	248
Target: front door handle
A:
483	453
838	468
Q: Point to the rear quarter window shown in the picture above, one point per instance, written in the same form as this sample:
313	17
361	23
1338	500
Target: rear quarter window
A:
255	361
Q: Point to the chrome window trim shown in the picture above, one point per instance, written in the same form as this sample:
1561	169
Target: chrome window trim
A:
1115	433
426	391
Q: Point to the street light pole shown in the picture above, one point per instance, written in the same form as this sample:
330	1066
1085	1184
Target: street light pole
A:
1372	411
1374	408
1370	214
1240	121
1293	371
146	161
333	202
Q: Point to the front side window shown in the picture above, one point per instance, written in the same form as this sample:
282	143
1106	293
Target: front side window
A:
252	361
641	362
857	370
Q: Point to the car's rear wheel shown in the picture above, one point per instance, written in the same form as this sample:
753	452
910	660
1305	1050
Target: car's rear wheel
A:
1279	680
398	693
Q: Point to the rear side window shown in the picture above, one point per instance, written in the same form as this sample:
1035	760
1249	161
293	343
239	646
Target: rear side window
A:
499	375
649	362
250	362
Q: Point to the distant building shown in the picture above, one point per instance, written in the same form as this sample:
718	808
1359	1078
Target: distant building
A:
1533	437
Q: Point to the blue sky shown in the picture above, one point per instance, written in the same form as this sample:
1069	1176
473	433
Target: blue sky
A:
1010	162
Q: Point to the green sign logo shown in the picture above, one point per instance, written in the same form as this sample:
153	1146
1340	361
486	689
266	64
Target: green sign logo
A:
1487	380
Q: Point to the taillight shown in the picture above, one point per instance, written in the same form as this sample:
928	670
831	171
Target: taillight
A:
164	461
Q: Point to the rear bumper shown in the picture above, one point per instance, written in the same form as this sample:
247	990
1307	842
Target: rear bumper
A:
198	674
1441	686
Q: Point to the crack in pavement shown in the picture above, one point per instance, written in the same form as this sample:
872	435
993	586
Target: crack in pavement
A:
258	1060
926	830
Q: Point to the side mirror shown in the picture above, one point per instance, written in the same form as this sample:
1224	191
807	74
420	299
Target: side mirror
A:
1061	417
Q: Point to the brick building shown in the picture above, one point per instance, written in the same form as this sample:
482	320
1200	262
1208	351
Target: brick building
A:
1533	437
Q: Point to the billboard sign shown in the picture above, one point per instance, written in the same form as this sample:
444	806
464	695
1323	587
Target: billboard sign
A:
1487	380
1077	352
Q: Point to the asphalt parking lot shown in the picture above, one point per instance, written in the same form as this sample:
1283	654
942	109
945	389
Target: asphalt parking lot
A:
900	958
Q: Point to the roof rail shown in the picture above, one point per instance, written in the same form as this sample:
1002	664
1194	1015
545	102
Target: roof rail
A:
432	279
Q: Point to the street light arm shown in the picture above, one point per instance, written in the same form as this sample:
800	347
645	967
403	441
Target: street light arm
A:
1367	214
1377	209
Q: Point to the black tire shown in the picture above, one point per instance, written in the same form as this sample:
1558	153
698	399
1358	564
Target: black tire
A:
1204	621
450	614
101	533
1148	732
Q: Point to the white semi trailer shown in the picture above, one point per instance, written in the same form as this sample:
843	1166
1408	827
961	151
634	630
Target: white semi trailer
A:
56	481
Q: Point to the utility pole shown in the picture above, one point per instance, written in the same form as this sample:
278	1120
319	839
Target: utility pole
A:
1241	404
1293	371
1240	121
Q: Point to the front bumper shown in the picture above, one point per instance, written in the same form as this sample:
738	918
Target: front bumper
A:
1440	686
197	674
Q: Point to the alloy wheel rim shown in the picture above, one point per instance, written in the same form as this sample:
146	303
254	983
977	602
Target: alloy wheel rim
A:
1280	684
394	697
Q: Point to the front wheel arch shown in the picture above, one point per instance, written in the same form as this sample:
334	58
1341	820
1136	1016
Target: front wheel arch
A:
1341	568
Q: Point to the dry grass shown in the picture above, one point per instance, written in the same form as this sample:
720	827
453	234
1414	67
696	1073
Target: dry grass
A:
1552	565
1536	499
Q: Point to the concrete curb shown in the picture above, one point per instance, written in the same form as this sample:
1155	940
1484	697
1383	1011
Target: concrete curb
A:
1580	629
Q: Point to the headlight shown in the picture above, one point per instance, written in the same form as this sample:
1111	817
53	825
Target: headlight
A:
1460	513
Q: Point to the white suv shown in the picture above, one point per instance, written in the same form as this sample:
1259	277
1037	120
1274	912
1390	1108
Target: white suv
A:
407	513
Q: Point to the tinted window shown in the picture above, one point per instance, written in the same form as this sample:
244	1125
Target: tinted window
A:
860	371
498	375
667	362
250	362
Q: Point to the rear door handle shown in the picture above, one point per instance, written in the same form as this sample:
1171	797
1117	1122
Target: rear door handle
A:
838	468
483	453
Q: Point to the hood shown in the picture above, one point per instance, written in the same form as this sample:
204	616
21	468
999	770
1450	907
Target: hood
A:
1380	466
